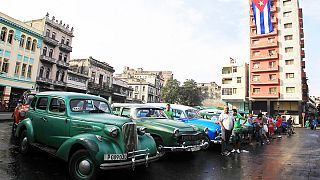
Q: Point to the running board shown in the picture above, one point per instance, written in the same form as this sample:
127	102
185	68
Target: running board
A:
45	148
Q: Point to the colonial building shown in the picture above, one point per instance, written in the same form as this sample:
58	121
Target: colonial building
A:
234	88
100	76
20	46
146	84
55	53
278	82
121	91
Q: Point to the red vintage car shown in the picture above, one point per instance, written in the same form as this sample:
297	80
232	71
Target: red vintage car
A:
21	108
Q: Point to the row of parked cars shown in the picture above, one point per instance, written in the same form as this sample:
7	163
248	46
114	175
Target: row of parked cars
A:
89	134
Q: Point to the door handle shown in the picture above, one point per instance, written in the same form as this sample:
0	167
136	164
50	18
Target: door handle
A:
44	119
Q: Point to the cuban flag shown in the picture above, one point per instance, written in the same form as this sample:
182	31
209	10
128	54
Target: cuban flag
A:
262	16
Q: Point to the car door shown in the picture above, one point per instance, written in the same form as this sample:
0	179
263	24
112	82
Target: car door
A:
39	119
57	124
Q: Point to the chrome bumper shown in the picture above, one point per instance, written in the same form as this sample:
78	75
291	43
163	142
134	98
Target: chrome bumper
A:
131	161
183	147
218	139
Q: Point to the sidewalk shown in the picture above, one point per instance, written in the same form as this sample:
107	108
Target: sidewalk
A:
6	116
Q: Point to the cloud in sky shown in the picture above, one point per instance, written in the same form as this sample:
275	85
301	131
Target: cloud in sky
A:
191	38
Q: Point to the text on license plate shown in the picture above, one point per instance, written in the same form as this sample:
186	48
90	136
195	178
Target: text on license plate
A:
197	148
112	157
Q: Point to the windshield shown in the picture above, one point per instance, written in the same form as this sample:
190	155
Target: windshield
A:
89	106
192	114
148	113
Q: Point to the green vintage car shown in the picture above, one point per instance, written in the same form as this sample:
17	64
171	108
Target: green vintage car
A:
169	135
80	129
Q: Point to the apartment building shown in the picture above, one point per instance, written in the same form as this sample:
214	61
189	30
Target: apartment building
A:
55	53
121	91
20	46
234	87
210	90
278	82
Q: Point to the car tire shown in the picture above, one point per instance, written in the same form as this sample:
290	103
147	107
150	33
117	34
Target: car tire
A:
159	144
78	166
24	146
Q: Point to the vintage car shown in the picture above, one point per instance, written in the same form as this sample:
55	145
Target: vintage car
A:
81	130
169	135
191	116
21	108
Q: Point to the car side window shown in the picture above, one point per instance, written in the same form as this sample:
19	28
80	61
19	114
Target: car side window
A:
57	105
177	113
42	103
33	103
125	112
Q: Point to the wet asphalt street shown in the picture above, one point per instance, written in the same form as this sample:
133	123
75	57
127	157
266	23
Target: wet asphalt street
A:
295	157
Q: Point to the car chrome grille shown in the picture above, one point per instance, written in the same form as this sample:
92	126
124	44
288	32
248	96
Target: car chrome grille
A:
194	137
130	136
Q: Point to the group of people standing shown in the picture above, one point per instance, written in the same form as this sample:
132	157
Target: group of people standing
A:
260	128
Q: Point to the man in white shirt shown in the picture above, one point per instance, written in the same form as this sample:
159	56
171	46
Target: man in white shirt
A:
226	123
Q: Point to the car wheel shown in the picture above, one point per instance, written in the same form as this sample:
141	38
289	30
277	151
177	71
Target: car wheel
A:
206	140
82	166
159	144
24	143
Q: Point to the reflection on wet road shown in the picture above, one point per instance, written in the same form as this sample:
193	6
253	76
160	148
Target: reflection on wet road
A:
295	157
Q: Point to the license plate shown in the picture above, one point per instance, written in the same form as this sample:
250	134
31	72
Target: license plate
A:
115	157
197	148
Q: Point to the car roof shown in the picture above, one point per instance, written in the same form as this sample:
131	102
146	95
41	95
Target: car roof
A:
173	106
134	105
70	95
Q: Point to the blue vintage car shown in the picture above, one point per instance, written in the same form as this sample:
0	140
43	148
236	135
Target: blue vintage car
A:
191	115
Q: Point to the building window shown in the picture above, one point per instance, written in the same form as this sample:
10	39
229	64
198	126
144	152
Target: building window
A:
255	42
93	76
57	75
287	2
288	49
287	25
234	90
33	47
287	14
234	69
270	40
272	64
53	35
143	88
3	34
272	77
44	51
142	98
253	30
256	78
23	70
289	62
60	56
256	53
68	42
5	65
136	88
289	75
48	32
62	76
41	71
62	40
51	53
28	44
65	57
272	90
256	90
17	69
29	71
238	79
10	36
288	37
226	91
290	89
256	65
48	73
271	52
23	38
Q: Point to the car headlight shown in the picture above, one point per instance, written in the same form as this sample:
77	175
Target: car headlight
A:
113	132
206	130
141	130
176	132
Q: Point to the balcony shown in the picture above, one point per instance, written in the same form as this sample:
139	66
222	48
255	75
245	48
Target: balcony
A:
49	40
65	47
47	59
59	83
62	64
265	69
303	74
257	95
266	82
302	54
264	45
303	64
302	43
44	80
264	57
254	35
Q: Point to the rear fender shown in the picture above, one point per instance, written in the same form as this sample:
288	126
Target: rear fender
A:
26	124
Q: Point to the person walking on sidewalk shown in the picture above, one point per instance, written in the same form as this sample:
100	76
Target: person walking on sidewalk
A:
226	123
237	128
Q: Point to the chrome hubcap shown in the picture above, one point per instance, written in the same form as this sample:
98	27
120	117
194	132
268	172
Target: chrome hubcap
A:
24	143
85	167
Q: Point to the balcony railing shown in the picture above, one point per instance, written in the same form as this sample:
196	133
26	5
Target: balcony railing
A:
302	54
62	64
268	69
47	59
276	81
49	40
266	57
44	80
264	45
265	95
59	83
65	47
303	64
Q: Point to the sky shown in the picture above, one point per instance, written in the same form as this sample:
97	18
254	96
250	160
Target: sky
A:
191	38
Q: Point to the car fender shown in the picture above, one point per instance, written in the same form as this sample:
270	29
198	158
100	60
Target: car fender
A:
26	123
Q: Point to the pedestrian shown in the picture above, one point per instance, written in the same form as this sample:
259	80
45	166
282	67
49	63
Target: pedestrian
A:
237	126
249	124
226	123
168	111
279	125
271	127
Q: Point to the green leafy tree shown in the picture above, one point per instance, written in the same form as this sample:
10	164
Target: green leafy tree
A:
170	92
190	94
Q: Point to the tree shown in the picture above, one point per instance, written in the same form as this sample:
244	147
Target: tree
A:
170	92
190	94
